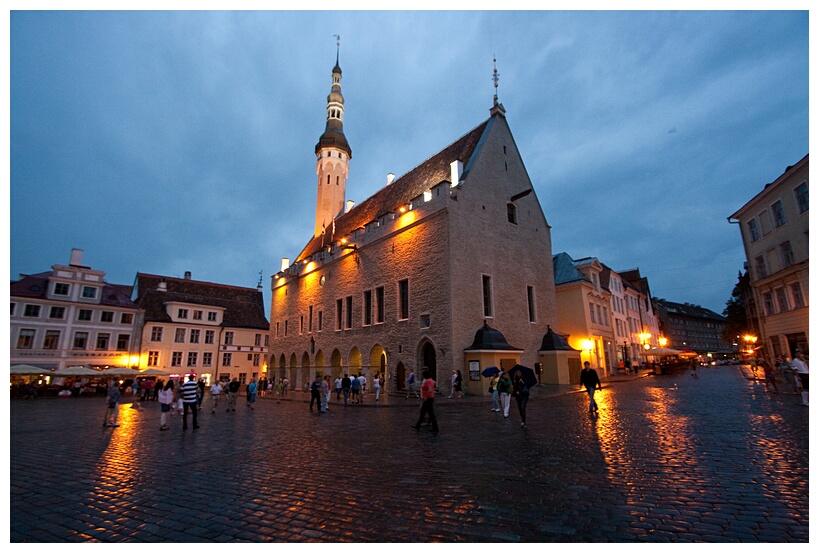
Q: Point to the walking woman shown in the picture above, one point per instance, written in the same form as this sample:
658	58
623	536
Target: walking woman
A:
521	392
165	398
493	389
428	395
505	391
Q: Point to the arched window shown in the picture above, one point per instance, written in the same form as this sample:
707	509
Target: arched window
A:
336	180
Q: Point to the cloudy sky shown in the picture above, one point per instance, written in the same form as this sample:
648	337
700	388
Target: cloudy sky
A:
173	141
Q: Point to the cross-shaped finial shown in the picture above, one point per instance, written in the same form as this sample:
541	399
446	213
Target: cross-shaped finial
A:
495	77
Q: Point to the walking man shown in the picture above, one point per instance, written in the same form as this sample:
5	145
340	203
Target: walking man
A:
233	393
113	405
190	400
589	379
215	393
427	408
345	387
315	393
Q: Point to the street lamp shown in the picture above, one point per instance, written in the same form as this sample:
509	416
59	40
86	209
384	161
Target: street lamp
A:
662	341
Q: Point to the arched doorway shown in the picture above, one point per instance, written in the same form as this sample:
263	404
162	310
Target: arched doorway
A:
428	359
378	365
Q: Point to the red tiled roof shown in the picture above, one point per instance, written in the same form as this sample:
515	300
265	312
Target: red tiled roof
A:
426	175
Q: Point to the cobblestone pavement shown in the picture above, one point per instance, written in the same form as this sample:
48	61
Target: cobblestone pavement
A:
668	459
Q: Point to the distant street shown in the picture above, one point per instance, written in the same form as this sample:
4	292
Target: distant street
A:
668	459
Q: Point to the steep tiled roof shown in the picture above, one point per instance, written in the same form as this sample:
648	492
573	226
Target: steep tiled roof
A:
426	175
565	269
687	309
36	286
243	307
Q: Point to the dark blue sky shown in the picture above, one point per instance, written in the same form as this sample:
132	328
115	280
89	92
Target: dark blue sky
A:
165	142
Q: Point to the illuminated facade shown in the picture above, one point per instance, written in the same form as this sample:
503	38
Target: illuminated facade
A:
213	330
406	278
775	229
71	316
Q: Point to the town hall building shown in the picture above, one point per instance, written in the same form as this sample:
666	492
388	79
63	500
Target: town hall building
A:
448	267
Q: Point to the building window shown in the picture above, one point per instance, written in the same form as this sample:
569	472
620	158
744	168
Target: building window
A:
349	319
309	321
753	230
31	311
787	254
80	340
379	304
182	314
801	193
52	339
126	318
229	338
599	316
764	222
767	303
782	300
153	358
796	292
267	336
760	267
512	213
487	296
368	307
26	338
102	341
197	315
89	292
778	214
84	315
209	335
194	337
156	334
320	324
212	316
591	313
285	327
176	359
227	359
192	355
61	289
123	342
256	358
301	325
425	320
13	305
207	359
530	302
339	316
179	337
56	312
107	317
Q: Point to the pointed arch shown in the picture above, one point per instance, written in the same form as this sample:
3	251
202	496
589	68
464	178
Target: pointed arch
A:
427	357
378	364
336	361
354	361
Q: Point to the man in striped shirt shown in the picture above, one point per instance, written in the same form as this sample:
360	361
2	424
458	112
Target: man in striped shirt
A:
190	395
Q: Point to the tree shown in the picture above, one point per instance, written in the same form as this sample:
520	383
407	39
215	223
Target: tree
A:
736	320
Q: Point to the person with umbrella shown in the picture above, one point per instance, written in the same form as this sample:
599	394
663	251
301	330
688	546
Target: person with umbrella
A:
521	392
504	389
589	379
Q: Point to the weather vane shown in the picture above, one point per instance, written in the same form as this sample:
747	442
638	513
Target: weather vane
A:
260	278
495	77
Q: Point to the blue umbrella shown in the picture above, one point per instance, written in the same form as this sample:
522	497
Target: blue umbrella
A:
490	371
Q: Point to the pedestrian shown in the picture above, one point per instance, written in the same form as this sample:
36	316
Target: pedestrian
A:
158	387
278	391
200	384
377	386
233	393
505	392
452	384
346	384
521	392
190	401
315	393
411	385
589	379
251	389
493	390
427	407
694	364
801	368
459	382
338	388
285	385
215	395
165	400
770	378
355	389
363	387
325	394
112	409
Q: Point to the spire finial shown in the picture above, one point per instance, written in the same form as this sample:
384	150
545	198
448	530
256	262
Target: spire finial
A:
495	77
338	45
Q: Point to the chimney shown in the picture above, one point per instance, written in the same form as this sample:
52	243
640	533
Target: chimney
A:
350	204
76	257
390	178
456	169
187	275
162	286
285	263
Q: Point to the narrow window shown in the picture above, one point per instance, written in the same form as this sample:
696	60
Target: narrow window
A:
179	336
209	336
379	304
194	337
796	292
760	267
309	320
403	299
512	213
339	318
156	334
753	230
530	301
52	339
778	214
153	358
207	359
787	254
229	338
26	338
123	341
782	300
320	321
801	193
192	355
487	296
368	307
349	318
102	341
227	359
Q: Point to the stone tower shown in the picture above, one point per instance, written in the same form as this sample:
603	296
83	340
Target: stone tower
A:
333	156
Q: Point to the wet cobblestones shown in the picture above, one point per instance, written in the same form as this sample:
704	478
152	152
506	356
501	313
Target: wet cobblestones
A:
668	459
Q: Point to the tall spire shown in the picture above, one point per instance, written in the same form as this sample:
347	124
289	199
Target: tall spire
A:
333	156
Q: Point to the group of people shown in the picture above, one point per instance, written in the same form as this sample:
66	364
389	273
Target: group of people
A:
771	373
503	389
